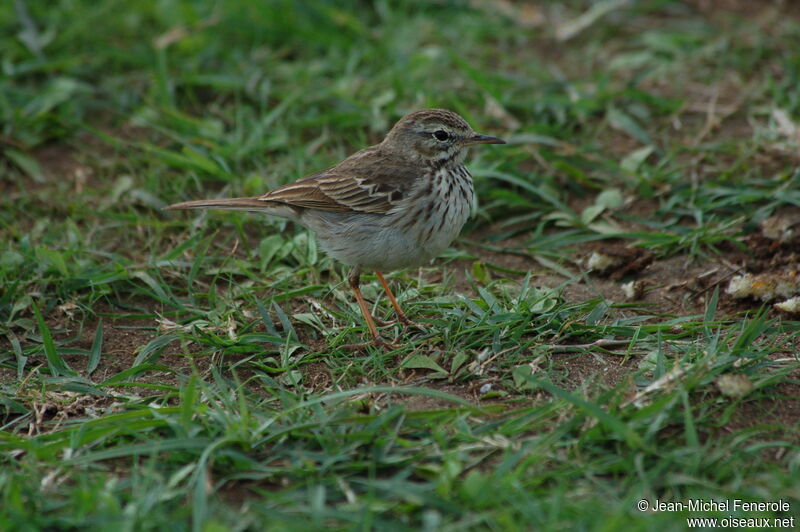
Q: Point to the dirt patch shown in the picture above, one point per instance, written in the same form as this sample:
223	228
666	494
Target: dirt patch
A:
61	164
317	376
123	338
426	402
781	408
579	369
745	7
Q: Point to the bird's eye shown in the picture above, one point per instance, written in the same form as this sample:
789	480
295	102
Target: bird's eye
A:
441	135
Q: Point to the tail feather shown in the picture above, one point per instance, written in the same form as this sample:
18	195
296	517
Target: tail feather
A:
230	204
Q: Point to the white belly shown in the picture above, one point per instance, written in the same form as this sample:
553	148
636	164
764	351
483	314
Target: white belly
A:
412	234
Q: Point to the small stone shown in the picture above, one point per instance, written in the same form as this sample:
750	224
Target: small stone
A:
734	384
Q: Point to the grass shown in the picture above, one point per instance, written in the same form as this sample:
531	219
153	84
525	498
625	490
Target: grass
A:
191	372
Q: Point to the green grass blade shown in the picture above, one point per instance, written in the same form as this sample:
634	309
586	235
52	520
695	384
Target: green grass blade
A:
55	363
96	350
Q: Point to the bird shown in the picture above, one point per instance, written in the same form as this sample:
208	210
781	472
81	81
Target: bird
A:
394	205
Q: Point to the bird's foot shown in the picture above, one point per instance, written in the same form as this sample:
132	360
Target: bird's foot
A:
405	320
402	319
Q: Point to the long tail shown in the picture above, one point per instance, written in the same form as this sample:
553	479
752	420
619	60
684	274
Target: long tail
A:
235	204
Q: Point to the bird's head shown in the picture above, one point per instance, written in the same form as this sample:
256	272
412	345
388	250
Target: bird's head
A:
436	135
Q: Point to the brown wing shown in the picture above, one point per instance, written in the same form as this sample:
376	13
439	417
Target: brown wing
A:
367	181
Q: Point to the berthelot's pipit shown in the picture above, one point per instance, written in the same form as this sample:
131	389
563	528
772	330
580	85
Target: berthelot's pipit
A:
393	205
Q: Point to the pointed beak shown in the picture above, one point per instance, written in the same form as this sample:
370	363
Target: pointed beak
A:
481	139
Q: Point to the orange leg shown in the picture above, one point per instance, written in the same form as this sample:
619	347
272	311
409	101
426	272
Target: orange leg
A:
400	314
354	278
